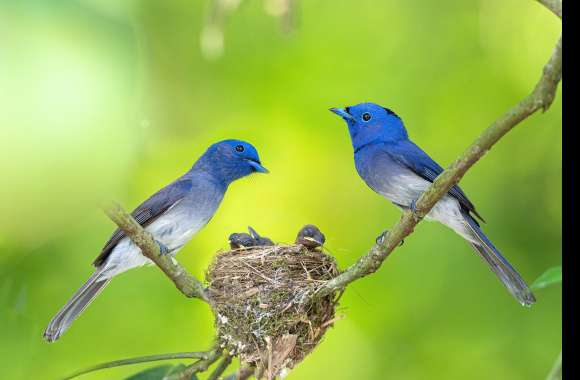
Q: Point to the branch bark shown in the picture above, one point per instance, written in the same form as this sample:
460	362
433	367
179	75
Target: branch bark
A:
185	282
199	366
554	5
222	366
541	98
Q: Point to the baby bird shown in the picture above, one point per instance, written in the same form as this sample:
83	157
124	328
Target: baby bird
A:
259	240
241	240
310	237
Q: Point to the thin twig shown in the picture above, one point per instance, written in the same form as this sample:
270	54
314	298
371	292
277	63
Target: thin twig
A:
556	372
243	373
222	366
540	98
140	359
199	366
554	5
185	282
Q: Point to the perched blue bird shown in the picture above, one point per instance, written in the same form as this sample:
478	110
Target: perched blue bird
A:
172	215
396	168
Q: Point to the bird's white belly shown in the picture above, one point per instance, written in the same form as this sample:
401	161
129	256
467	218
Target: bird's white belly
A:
405	188
402	188
173	230
176	229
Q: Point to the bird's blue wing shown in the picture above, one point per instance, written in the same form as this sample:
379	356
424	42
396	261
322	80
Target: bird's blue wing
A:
410	155
149	211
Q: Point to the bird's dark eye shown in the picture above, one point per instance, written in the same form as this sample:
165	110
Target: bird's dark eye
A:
366	116
239	148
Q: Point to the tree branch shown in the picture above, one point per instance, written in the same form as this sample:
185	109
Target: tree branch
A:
243	373
185	282
140	359
556	371
199	366
554	5
222	366
540	98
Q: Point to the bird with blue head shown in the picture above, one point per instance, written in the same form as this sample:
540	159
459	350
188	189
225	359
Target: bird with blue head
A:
173	215
396	168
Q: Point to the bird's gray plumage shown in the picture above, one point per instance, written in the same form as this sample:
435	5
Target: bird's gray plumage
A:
395	167
388	175
172	215
149	211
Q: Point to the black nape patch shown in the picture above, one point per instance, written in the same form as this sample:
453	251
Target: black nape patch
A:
391	112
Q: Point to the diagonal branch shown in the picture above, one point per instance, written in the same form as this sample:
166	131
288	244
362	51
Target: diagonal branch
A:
540	98
185	282
222	366
554	5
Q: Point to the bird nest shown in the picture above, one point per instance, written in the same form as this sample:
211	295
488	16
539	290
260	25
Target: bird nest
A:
263	301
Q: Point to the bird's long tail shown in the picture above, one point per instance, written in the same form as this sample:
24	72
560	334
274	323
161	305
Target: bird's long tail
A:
75	306
499	265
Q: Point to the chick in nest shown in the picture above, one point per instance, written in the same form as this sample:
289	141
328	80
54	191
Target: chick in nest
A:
241	240
259	240
311	237
244	240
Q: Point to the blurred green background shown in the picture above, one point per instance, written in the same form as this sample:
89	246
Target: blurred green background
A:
113	99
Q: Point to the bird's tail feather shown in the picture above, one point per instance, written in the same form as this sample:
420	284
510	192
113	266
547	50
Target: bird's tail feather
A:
499	265
75	306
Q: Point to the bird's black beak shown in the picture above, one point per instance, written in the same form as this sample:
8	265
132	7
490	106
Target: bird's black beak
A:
342	112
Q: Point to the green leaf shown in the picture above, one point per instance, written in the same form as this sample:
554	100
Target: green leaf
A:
550	277
159	372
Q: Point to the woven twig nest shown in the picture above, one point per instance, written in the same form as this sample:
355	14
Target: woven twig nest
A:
262	300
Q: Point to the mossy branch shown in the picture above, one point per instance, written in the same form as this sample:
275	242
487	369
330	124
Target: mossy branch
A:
185	282
541	98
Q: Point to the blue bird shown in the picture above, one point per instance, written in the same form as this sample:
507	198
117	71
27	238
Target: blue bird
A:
173	216
394	167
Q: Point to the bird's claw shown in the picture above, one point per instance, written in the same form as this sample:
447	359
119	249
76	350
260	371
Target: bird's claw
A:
163	250
382	237
413	208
